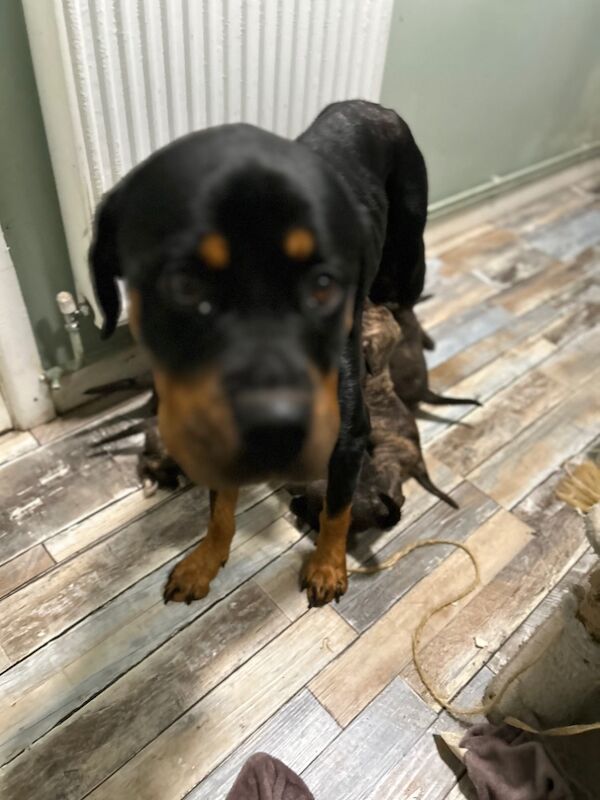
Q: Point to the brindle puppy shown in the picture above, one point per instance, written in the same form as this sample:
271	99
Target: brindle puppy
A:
394	453
394	434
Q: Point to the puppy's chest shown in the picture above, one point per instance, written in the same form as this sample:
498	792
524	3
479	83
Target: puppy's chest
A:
380	396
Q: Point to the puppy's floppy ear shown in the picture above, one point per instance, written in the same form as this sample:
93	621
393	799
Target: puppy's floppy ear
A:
104	262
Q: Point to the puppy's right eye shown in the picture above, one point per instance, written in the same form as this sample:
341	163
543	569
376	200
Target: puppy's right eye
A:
182	287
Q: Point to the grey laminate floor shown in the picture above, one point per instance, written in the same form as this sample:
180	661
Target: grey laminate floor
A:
107	693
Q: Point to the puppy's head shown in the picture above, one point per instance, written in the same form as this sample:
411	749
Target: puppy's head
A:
241	253
380	336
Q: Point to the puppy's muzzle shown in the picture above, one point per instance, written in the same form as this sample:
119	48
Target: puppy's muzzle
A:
273	425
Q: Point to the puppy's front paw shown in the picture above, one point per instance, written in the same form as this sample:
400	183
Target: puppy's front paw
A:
189	580
324	581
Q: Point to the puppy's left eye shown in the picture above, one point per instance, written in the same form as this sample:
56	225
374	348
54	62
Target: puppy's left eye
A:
182	287
324	292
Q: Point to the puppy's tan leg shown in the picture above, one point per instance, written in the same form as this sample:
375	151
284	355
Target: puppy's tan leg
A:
325	576
191	577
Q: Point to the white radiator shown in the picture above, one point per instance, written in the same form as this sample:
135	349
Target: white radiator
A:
119	78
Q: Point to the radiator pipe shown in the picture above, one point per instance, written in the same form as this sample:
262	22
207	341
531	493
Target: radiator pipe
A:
71	314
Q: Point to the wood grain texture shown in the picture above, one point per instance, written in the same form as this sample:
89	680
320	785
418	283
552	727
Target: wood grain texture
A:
440	769
517	264
444	236
80	536
545	286
486	383
206	734
296	735
504	370
577	361
78	586
590	185
118	723
515	470
501	419
542	613
452	657
96	412
70	592
548	209
471	694
370	746
492	247
580	313
461	294
55	486
271	506
381	652
280	579
370	596
485	351
23	568
474	324
14	444
66	672
544	512
568	236
427	771
105	692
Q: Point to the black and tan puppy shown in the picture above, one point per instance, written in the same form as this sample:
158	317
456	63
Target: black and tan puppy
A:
247	259
409	368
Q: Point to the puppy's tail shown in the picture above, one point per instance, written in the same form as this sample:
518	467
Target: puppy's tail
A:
421	413
422	477
441	400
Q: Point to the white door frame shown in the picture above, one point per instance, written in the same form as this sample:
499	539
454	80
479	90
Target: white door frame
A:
25	395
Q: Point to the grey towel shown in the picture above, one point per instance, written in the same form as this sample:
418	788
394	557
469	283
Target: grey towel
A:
505	763
266	778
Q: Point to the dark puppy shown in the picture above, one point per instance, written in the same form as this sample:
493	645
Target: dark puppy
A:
247	259
372	506
408	367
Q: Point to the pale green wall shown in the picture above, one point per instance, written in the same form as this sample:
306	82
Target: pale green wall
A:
28	204
29	211
492	86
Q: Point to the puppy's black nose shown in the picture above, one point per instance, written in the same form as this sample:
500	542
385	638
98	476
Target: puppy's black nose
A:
273	425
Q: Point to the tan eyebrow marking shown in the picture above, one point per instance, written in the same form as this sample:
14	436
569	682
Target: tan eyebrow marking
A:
213	249
299	244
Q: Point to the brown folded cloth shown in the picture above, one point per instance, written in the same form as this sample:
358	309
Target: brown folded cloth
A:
505	763
266	778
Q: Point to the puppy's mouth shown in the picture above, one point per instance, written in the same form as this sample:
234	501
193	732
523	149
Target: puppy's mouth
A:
222	439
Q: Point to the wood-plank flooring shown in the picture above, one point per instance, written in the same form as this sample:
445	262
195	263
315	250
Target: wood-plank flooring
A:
105	692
